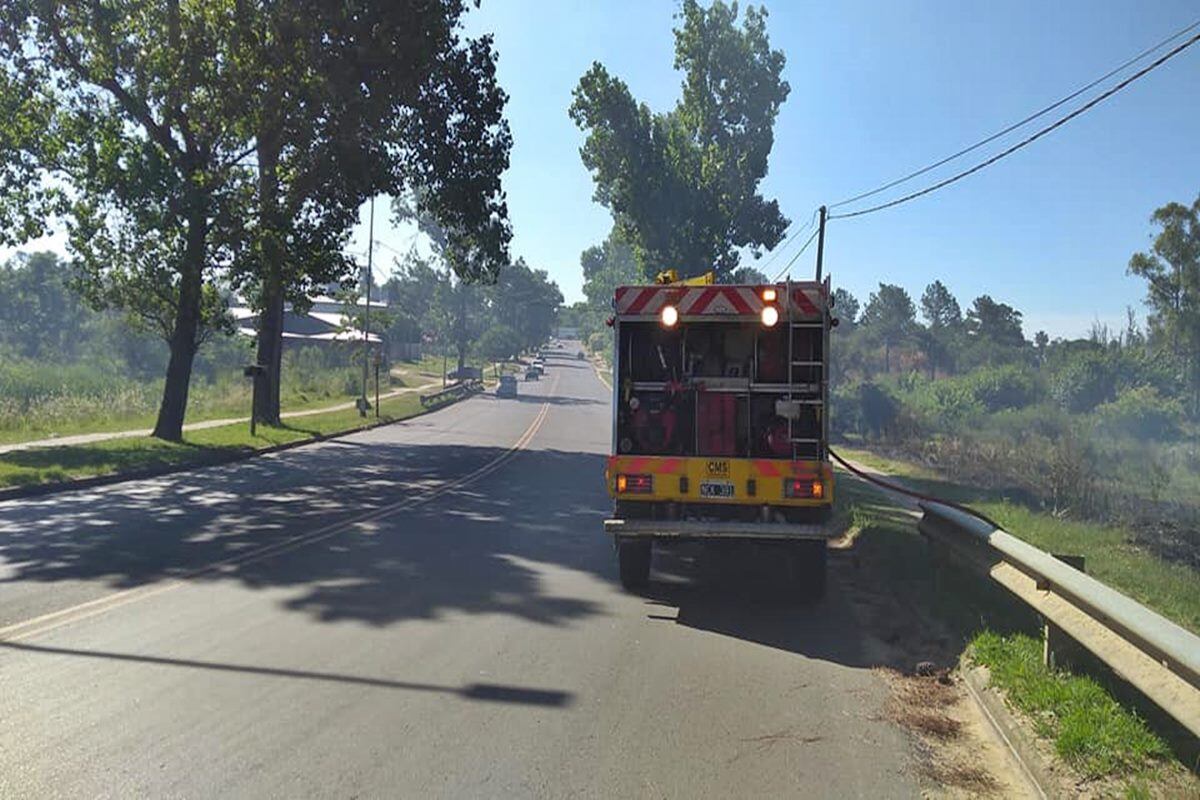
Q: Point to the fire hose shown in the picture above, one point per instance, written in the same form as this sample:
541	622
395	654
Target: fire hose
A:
928	498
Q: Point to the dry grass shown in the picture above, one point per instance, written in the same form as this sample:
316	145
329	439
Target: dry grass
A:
924	707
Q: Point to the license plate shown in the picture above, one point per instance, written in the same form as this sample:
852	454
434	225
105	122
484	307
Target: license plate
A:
716	489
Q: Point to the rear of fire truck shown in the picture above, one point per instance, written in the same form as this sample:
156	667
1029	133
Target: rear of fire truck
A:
720	427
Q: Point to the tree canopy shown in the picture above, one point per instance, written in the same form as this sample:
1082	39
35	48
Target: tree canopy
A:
682	185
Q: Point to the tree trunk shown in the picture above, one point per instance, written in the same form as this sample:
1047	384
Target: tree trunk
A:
270	325
887	357
169	425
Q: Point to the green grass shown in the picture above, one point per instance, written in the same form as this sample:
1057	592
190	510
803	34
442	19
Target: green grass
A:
1090	730
1172	589
58	464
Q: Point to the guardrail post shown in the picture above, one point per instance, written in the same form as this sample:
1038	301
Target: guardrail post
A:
1060	651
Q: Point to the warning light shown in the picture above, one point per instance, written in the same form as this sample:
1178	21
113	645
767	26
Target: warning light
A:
770	315
670	315
635	484
803	487
768	295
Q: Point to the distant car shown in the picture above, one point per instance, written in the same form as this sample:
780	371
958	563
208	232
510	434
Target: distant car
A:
580	355
540	364
507	387
532	373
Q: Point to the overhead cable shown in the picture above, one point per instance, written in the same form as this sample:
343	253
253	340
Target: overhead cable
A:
1028	140
1036	115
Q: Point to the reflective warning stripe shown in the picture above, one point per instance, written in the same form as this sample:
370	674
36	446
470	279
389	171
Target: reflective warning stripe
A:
807	300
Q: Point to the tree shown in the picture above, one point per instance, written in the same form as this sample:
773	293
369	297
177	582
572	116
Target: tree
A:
123	124
748	275
353	101
1040	342
682	186
944	319
846	307
939	307
891	317
996	326
43	318
1172	271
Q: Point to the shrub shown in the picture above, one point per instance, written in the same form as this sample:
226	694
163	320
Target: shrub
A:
1084	381
999	388
877	407
1140	413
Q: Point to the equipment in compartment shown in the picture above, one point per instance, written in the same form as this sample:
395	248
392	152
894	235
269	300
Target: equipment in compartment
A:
716	423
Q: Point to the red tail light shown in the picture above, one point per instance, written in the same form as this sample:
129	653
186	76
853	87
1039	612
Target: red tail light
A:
635	484
803	487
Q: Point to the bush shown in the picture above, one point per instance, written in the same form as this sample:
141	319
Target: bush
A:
600	341
1007	387
1140	413
1084	381
878	409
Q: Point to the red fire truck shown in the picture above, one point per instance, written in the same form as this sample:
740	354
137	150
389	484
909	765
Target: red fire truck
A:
720	423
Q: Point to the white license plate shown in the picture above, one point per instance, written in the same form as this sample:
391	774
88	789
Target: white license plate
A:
716	489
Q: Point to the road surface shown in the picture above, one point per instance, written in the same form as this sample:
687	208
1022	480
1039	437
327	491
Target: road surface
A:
427	609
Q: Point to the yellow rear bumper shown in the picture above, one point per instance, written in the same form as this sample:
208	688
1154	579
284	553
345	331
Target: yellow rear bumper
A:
753	481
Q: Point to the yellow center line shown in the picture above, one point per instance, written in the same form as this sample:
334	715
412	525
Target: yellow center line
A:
56	619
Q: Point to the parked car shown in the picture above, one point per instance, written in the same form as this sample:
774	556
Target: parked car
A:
507	387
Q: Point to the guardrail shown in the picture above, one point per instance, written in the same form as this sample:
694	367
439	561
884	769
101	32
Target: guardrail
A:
455	392
1157	657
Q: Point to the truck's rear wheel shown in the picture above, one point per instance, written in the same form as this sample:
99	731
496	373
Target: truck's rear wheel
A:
633	558
808	563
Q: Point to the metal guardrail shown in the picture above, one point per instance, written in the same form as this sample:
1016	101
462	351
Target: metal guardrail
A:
1157	657
454	392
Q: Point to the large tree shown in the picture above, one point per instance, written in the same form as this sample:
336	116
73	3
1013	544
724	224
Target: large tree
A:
356	100
121	119
682	186
1172	271
890	317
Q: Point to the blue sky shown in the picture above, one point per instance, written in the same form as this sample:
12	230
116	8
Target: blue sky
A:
879	89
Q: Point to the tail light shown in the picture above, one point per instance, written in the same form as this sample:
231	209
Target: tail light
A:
803	488
635	484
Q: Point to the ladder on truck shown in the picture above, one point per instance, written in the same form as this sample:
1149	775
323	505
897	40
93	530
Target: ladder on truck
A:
822	378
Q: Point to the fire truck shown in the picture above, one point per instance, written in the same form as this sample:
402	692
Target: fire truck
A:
720	423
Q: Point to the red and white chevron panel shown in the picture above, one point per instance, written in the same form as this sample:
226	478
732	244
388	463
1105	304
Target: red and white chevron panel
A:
695	301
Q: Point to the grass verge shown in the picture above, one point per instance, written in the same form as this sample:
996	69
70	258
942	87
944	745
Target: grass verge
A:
1090	730
1109	553
136	454
928	609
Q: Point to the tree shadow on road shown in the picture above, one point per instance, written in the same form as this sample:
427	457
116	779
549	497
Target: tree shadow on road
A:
381	550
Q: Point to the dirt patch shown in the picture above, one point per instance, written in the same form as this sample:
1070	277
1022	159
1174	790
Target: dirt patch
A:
950	755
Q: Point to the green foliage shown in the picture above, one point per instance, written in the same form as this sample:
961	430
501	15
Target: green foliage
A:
1141	413
1172	273
1089	728
889	317
499	343
682	186
1082	382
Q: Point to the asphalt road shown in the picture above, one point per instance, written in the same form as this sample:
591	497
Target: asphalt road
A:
428	609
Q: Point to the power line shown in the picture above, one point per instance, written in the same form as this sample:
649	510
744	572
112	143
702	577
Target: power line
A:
1023	122
1029	140
788	265
779	250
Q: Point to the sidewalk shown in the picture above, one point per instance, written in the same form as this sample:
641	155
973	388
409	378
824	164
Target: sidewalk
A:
88	438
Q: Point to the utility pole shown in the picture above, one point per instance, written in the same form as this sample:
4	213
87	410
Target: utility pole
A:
364	404
821	244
